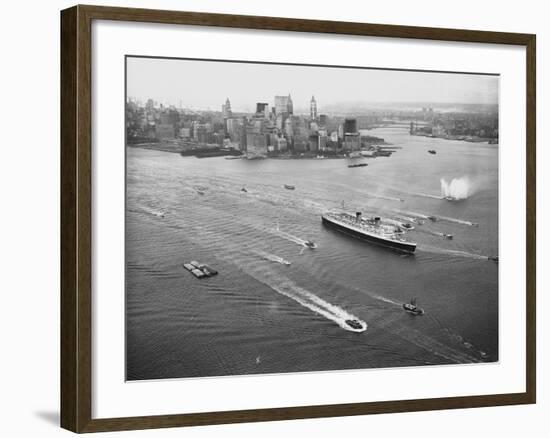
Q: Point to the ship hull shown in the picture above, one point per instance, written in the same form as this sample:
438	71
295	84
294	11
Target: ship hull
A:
395	245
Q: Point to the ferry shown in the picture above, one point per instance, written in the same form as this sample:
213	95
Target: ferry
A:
372	230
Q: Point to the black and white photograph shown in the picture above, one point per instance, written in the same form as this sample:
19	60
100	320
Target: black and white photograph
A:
288	218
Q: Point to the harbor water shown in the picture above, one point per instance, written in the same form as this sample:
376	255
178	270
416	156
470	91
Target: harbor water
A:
276	305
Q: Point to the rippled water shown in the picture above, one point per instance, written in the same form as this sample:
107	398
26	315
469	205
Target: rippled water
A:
263	315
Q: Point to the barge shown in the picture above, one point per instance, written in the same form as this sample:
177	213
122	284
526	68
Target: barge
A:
200	270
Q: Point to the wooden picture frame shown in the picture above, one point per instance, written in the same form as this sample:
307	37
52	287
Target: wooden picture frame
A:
76	217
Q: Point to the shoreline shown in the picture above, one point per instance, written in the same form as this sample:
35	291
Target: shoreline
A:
176	149
466	139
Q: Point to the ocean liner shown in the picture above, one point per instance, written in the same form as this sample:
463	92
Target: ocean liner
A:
370	229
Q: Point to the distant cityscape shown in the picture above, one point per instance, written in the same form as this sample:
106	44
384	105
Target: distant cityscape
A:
275	130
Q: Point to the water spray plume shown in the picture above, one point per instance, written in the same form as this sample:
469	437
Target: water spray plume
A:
458	188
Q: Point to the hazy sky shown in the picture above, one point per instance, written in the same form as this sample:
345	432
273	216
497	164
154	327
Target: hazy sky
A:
206	84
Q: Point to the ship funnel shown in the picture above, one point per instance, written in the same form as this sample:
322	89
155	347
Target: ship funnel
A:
358	215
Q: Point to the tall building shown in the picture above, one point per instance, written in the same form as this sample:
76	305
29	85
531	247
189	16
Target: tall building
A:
350	126
256	140
262	110
150	105
313	143
234	129
283	105
313	108
352	141
288	128
226	109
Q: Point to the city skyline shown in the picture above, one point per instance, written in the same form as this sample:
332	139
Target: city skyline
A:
206	84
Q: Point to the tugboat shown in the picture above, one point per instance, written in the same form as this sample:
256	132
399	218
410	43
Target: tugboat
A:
354	324
289	187
412	308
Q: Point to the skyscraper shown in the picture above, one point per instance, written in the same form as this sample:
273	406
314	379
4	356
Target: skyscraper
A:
226	109
313	108
283	105
262	110
350	126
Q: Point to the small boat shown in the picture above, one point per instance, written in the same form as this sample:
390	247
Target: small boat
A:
354	324
244	190
448	236
431	151
310	244
358	165
289	187
493	258
412	308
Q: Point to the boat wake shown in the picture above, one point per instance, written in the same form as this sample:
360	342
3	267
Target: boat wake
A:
414	215
435	218
455	337
291	238
307	299
148	210
453	252
386	300
434	233
272	257
425	195
457	221
463	352
385	197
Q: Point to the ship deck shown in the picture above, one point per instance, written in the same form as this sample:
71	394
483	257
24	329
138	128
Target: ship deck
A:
380	234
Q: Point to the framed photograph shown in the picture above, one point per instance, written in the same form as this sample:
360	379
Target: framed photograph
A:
268	218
